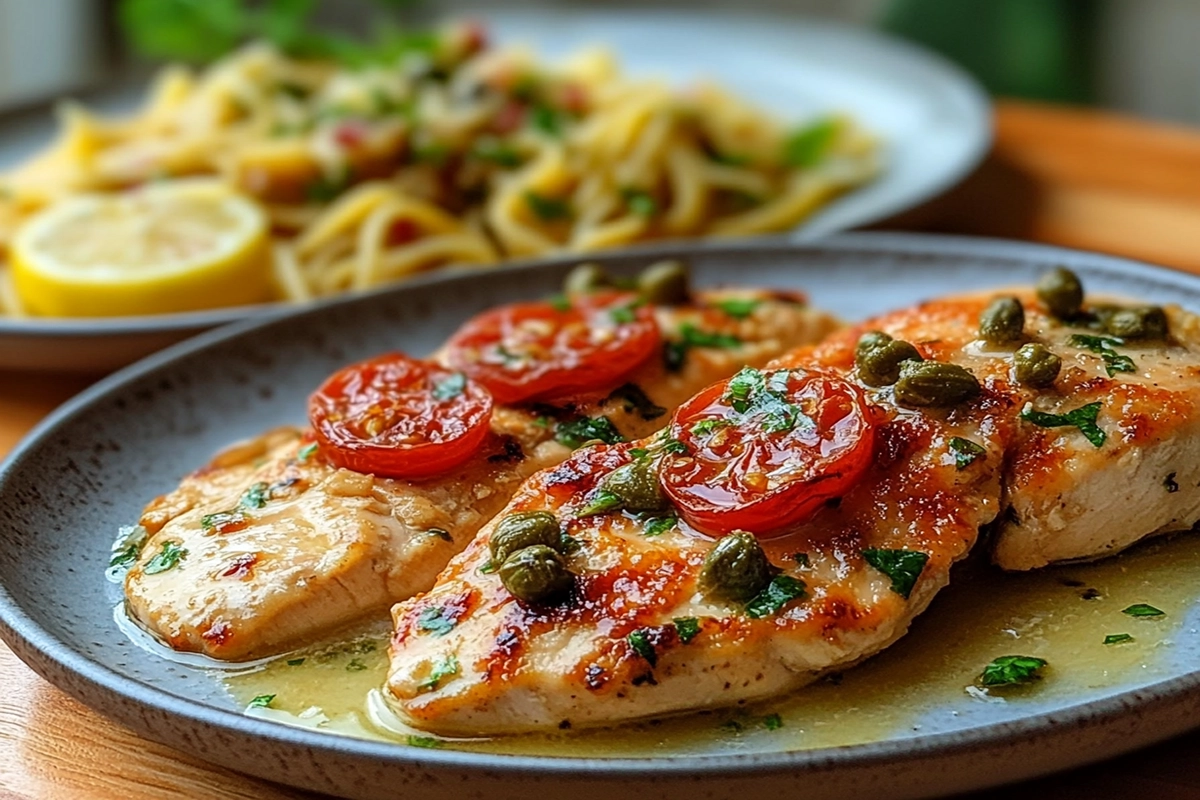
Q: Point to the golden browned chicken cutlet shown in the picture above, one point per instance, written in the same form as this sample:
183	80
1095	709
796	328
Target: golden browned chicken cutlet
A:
292	536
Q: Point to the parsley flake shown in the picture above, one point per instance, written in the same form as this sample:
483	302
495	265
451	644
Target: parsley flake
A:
168	557
639	640
1117	638
706	426
306	452
497	152
772	722
423	741
675	350
1114	362
256	496
1011	670
902	566
1143	610
639	202
602	502
261	701
450	387
687	628
1083	418
965	452
660	525
809	145
674	447
547	209
435	620
577	431
779	592
444	667
738	307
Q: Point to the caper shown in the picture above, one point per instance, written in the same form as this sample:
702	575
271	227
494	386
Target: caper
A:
637	485
1003	321
522	529
664	283
1061	292
932	383
586	278
880	366
536	574
736	568
1143	322
1035	365
869	341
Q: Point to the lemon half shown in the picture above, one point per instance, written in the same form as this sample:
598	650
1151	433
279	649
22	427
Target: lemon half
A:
176	246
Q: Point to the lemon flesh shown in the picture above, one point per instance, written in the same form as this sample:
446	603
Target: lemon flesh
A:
177	246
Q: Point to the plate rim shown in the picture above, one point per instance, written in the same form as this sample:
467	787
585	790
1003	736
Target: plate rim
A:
59	663
967	91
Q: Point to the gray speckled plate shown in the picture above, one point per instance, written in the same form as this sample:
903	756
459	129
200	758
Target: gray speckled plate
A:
89	468
933	120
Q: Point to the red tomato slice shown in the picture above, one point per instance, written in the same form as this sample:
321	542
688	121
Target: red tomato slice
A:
543	351
399	417
765	450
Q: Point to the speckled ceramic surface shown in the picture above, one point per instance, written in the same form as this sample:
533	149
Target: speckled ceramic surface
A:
932	119
90	467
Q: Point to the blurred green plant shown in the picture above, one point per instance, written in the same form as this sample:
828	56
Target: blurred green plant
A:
197	31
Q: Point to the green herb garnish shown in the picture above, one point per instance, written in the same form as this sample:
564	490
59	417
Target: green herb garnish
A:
1011	670
1143	610
639	640
772	722
450	387
809	145
779	592
577	431
436	621
965	452
256	496
1083	418
1114	362
443	668
1117	638
126	549
547	209
659	525
546	119
639	202
423	741
674	447
497	152
675	350
706	426
902	566
687	628
221	520
261	701
738	307
306	452
602	502
168	557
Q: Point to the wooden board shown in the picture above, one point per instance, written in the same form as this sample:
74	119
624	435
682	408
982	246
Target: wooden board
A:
1071	177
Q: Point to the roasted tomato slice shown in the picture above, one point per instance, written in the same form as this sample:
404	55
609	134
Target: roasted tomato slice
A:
765	449
399	417
546	351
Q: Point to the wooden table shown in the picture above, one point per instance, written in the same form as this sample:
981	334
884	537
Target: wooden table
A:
1068	177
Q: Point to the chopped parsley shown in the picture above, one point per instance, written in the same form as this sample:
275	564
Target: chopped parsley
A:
809	145
444	667
167	558
306	452
602	501
261	701
497	152
1011	670
1117	638
547	120
450	387
779	592
327	187
902	566
965	452
436	621
256	496
738	307
223	521
675	350
126	549
1170	484
639	452
356	665
687	628
752	392
423	741
577	431
660	525
1083	418
1143	610
772	722
674	447
1114	362
634	398
639	202
623	315
706	426
295	662
639	640
547	209
487	567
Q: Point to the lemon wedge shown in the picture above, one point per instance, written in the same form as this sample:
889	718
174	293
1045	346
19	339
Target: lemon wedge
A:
175	246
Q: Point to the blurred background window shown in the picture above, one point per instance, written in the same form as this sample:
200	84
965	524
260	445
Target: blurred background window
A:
1137	56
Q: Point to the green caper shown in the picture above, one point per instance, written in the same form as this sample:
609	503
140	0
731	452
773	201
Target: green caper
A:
736	568
664	283
586	278
1003	321
1142	322
931	383
1035	365
536	574
880	365
1101	315
869	341
1061	292
636	483
522	529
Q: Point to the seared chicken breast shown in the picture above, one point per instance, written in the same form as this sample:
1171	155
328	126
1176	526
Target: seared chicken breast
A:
273	545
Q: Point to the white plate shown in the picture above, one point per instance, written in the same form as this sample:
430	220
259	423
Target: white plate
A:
933	120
